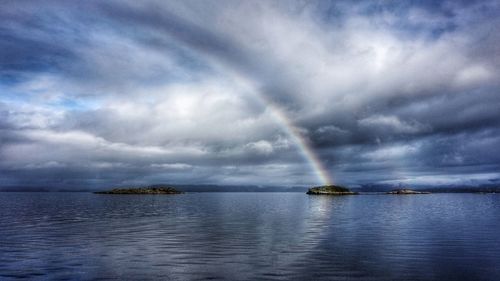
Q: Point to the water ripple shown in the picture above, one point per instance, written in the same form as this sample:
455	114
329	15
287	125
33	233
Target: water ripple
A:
249	236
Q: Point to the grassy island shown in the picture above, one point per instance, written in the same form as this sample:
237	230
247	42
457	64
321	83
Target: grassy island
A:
330	190
142	190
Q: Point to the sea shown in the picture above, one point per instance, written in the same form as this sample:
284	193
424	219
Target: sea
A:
249	236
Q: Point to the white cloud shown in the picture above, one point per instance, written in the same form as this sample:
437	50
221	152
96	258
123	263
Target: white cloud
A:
391	123
260	147
172	166
473	75
392	152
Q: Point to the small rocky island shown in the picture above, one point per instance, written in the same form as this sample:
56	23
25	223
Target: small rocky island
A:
142	190
406	191
330	190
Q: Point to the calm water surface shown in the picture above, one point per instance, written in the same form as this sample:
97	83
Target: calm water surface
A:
249	236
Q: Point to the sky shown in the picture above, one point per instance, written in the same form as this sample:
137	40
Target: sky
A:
269	93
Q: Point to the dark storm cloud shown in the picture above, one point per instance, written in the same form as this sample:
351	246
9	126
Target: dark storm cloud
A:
102	93
39	36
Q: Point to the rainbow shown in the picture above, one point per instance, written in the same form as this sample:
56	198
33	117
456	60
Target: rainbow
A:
305	149
293	132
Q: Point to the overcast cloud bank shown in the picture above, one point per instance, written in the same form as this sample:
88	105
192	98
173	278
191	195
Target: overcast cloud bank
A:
97	93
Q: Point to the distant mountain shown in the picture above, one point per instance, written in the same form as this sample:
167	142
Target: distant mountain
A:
181	187
488	188
238	188
254	188
463	190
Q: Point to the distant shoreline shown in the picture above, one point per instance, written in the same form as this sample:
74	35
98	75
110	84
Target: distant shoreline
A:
200	188
246	191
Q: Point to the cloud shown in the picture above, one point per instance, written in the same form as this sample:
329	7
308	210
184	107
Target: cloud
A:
172	166
261	147
393	152
118	92
390	123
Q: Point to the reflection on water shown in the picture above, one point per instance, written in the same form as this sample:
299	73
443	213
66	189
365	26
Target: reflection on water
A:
248	236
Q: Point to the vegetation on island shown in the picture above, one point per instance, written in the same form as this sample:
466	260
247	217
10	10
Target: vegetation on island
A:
330	190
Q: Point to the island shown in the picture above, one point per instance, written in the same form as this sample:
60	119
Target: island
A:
406	191
330	190
142	190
